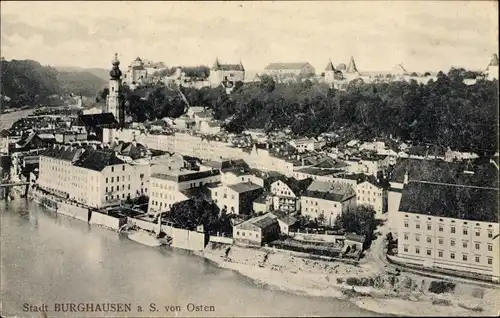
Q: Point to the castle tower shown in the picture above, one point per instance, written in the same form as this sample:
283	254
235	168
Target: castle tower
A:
492	69
114	103
329	73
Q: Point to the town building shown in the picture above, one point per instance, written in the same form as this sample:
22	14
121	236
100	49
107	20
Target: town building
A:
93	177
136	73
324	200
286	220
226	74
169	187
286	193
331	74
283	72
452	227
306	144
236	198
371	191
256	231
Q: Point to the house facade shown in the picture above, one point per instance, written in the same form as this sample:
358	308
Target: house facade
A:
256	231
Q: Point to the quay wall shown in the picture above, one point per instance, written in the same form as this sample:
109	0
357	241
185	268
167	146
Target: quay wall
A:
221	239
107	221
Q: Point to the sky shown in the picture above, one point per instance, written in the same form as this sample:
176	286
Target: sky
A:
422	36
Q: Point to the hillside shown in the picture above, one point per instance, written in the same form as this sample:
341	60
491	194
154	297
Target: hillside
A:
27	82
98	72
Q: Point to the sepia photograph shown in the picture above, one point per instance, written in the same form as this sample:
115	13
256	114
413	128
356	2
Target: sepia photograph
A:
249	159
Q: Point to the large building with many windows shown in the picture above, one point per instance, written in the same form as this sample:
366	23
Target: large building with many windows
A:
93	177
448	226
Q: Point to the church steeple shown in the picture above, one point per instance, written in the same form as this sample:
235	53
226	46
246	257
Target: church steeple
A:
115	72
329	66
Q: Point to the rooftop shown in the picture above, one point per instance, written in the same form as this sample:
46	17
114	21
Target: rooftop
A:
485	174
329	191
184	175
286	66
451	201
244	187
97	159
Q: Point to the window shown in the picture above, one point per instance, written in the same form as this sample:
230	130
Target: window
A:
429	240
464	257
429	227
477	246
465	231
417	225
106	180
232	197
106	198
490	234
112	188
465	244
452	242
243	233
215	194
477	259
123	168
417	238
417	250
490	247
406	223
490	261
452	229
237	232
440	254
112	179
405	249
440	228
225	196
429	252
112	169
129	186
440	241
478	233
406	236
106	189
452	255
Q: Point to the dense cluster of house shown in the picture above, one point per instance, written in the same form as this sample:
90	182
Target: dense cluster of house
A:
441	203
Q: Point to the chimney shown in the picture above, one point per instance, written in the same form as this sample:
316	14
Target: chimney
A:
405	180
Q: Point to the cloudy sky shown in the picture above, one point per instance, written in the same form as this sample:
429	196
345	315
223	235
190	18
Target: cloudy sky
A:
423	36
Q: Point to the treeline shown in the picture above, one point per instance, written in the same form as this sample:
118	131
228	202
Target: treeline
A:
444	112
26	82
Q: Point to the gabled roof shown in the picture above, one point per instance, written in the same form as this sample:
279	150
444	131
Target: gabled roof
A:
452	201
297	186
329	191
243	187
329	66
286	66
97	160
96	120
61	153
262	222
352	66
227	67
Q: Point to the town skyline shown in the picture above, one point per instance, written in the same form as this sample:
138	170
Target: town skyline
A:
442	35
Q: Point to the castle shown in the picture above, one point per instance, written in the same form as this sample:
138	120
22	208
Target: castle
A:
226	74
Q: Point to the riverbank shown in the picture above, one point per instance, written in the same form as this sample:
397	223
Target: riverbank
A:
406	294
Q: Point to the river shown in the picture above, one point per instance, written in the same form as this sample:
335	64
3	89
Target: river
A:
49	259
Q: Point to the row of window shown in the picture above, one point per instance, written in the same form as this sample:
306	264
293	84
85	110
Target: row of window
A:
249	234
316	203
113	197
441	220
465	243
452	255
117	188
118	179
113	169
465	231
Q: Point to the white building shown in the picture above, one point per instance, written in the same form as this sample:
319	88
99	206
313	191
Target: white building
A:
236	198
305	144
327	200
95	178
450	227
170	187
492	69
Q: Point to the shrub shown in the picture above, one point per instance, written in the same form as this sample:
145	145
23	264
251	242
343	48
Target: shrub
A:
339	280
352	281
440	287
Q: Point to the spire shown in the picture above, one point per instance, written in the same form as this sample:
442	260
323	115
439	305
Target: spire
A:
216	64
115	72
241	66
329	66
352	66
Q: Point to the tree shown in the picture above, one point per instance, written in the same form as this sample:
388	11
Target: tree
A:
321	219
192	213
360	220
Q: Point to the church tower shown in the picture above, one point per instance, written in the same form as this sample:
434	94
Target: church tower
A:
492	69
114	103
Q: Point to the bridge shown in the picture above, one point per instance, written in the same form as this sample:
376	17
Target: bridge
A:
13	184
